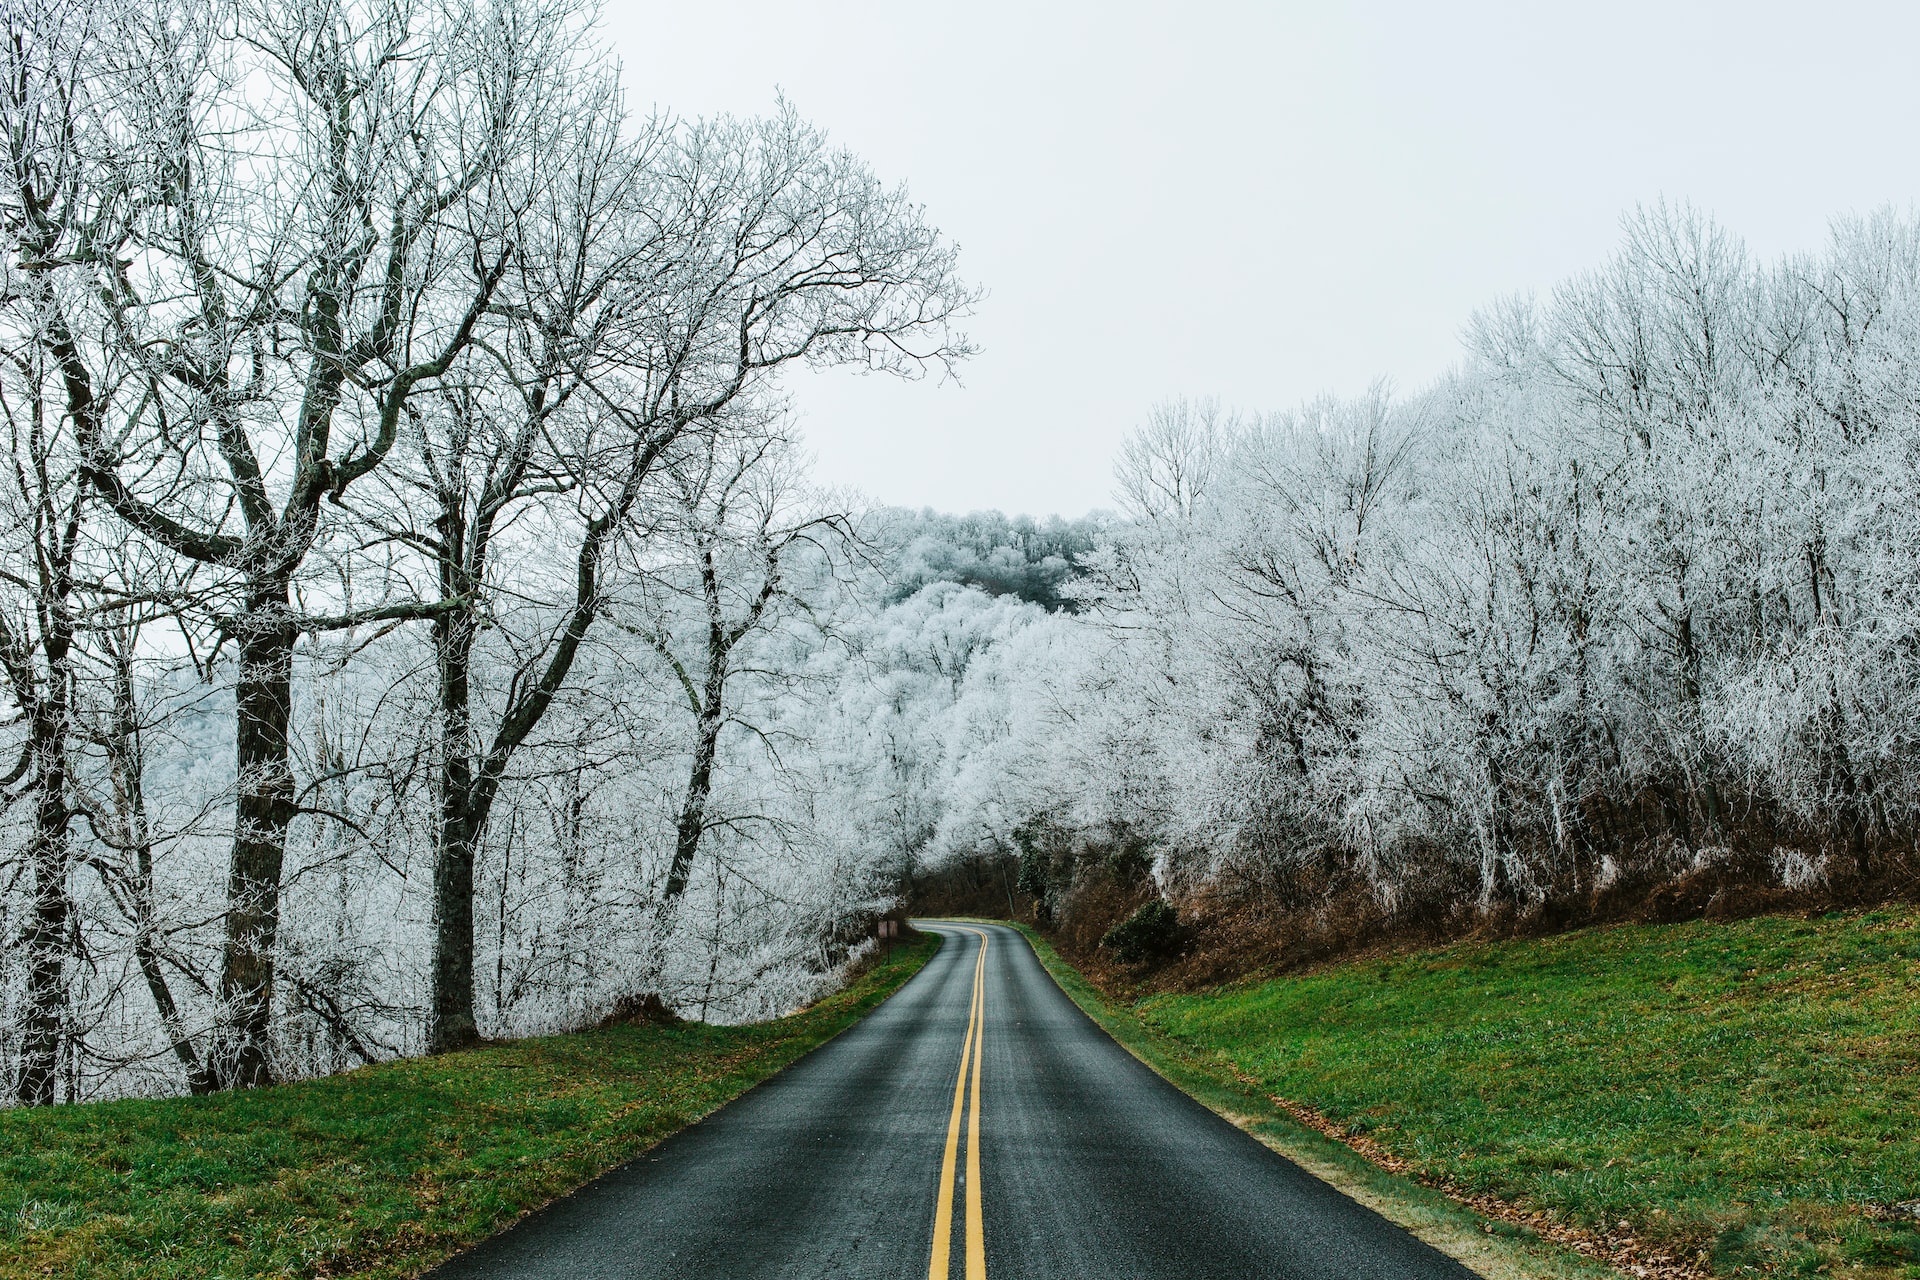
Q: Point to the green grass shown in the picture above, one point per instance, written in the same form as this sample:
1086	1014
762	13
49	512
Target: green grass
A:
382	1171
1492	1249
1746	1093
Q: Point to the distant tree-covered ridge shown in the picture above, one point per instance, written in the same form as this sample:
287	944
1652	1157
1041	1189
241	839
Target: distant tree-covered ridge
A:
1017	556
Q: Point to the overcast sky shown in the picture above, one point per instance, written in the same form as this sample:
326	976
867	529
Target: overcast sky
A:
1269	201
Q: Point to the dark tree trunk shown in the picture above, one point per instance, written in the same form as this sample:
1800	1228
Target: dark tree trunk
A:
47	699
709	705
1690	676
465	797
693	809
47	858
470	780
712	713
453	1024
264	809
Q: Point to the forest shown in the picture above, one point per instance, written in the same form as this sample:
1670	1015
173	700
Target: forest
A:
419	625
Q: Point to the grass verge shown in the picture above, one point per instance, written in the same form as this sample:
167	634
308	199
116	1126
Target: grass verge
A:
1743	1095
381	1172
1745	1092
1498	1250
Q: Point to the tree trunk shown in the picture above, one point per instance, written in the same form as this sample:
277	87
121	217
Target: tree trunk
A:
693	809
264	808
146	952
693	814
48	857
453	1025
127	763
1690	667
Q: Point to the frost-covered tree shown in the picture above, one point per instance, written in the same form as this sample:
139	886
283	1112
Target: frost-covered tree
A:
365	333
1604	610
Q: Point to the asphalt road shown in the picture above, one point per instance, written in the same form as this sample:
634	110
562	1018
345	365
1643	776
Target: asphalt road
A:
1059	1155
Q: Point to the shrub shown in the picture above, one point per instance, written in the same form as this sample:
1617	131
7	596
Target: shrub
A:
1153	932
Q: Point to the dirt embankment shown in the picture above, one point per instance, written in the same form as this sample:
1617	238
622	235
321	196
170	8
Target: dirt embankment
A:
1091	898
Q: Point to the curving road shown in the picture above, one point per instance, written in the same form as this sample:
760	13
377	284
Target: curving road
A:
976	1124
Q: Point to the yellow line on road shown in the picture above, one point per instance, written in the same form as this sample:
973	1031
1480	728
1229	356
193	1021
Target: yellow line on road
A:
976	1236
937	1268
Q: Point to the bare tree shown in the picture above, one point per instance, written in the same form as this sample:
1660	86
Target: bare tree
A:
278	220
736	518
1166	467
354	316
118	812
42	512
691	271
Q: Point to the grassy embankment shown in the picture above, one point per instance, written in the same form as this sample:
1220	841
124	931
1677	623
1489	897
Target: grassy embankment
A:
1744	1096
382	1171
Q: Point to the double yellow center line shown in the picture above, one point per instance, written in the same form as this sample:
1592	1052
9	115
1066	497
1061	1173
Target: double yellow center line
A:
938	1269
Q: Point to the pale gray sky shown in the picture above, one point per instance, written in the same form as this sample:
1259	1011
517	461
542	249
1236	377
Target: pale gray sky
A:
1268	201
